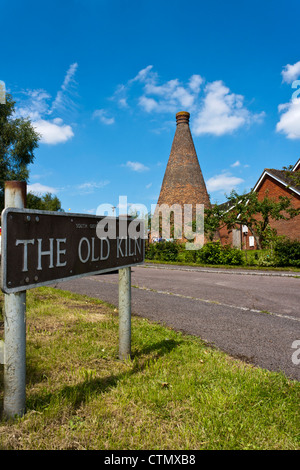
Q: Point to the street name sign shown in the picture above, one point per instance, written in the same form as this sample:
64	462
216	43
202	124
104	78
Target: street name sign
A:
43	247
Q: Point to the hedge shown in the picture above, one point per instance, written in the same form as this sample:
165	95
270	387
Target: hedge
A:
211	253
285	253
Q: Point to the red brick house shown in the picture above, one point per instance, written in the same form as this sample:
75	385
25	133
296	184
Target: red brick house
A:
273	183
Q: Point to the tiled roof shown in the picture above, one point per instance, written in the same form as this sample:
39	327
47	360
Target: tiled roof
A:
283	175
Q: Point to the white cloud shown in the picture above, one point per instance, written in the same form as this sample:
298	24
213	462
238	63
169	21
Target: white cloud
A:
290	72
37	108
38	188
223	182
142	74
146	74
123	103
90	187
53	132
69	77
149	104
155	96
166	90
215	109
237	163
34	105
101	114
289	123
184	98
170	96
89	211
136	166
62	99
120	96
195	82
222	112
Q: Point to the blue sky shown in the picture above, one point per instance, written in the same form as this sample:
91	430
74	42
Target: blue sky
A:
102	82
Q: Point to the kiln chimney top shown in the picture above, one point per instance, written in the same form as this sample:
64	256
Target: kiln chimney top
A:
182	117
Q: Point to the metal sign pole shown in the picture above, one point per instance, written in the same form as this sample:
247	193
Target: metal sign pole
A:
15	327
124	313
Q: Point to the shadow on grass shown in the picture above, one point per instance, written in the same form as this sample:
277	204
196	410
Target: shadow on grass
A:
76	395
161	348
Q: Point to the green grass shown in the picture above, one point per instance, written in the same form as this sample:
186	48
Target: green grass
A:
175	393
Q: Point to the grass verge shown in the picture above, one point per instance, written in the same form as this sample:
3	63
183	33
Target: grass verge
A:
175	393
241	267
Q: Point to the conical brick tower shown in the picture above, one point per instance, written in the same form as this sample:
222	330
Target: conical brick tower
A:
183	181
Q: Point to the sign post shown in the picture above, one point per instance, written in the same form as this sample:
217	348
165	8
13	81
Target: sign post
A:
124	313
14	327
41	248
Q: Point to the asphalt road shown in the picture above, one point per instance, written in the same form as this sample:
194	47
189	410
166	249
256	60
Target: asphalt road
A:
252	316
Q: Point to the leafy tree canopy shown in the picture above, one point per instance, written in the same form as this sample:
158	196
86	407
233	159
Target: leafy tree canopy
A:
293	175
18	140
48	202
249	209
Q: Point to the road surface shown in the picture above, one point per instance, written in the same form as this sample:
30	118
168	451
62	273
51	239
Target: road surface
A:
253	316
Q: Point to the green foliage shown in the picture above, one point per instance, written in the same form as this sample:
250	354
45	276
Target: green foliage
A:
149	250
213	220
248	209
215	253
164	251
48	202
18	140
210	253
232	256
266	259
287	252
187	256
293	175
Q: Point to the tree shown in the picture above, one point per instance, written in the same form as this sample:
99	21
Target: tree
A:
48	202
293	175
213	220
248	209
18	140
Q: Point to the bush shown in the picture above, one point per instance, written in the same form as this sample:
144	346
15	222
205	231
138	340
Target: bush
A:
215	253
266	259
287	252
150	250
187	256
210	253
232	256
169	251
162	251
